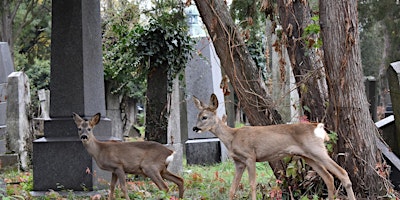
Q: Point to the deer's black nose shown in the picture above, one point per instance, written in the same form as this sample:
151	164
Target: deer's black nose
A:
84	137
196	129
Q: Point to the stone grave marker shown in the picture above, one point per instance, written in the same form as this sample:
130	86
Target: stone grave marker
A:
6	68
203	77
19	137
60	161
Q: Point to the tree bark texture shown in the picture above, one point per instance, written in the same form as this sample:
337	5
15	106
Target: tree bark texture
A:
348	110
306	63
7	17
156	105
237	63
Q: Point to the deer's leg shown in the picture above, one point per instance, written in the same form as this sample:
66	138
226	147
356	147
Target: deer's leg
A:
122	181
155	176
338	171
239	169
114	179
176	179
325	175
251	168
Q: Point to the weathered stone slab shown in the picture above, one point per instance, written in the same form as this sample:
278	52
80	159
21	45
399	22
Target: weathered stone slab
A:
393	74
203	151
6	68
19	139
9	161
6	62
3	110
3	149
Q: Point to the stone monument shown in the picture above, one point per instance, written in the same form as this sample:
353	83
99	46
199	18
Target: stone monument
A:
6	68
203	77
393	74
77	85
19	137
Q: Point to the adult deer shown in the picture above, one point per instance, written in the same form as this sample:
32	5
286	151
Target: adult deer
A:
250	144
146	158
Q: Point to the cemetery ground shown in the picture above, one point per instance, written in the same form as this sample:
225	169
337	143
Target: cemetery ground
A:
201	182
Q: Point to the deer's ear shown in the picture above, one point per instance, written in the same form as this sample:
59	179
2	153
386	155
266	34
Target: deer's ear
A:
213	102
95	119
77	118
224	118
199	105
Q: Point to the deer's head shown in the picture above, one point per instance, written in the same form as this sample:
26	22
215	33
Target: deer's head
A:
207	117
85	127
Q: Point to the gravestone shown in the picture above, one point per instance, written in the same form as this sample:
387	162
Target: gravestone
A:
44	99
390	148
393	74
60	161
6	68
19	137
203	77
370	90
176	119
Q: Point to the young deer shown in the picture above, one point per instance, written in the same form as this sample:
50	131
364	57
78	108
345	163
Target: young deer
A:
250	144
145	158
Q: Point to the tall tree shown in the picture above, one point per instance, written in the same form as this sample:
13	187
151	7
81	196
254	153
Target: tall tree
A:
16	16
238	64
300	35
348	107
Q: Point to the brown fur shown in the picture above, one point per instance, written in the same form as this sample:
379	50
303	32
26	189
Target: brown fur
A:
250	144
146	158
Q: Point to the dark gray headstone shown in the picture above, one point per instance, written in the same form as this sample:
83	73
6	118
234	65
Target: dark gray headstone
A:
6	68
77	85
203	77
77	78
387	127
393	73
203	151
61	164
370	89
6	63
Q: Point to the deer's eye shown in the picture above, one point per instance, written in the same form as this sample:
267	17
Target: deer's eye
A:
79	129
204	118
89	129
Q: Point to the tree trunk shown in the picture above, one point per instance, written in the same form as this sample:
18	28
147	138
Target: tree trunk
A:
348	110
306	63
7	17
156	105
238	64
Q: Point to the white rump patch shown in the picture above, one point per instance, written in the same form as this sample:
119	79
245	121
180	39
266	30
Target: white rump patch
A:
320	132
170	158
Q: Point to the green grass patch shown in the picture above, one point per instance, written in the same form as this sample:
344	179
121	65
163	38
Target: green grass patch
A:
201	182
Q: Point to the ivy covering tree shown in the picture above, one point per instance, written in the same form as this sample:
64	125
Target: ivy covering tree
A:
146	58
131	49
